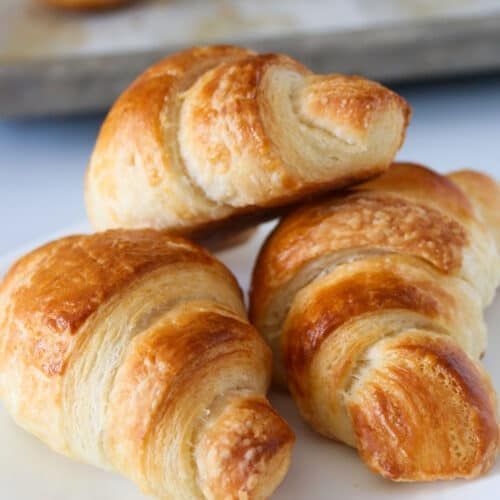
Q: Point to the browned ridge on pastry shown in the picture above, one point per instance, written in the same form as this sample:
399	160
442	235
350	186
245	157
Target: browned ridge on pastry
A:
214	134
130	350
373	304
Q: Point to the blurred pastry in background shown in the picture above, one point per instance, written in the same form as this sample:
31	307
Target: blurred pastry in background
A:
85	4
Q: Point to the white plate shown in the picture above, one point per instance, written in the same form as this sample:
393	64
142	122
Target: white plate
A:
321	469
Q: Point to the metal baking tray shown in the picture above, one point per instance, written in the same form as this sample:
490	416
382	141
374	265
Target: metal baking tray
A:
53	62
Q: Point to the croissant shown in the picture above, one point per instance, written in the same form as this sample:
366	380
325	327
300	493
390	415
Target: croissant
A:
372	302
221	136
130	350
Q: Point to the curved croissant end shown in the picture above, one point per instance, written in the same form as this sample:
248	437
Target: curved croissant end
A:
421	409
373	304
216	132
130	350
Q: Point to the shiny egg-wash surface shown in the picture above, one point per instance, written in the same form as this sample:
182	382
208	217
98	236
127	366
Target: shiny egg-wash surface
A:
213	135
130	350
373	304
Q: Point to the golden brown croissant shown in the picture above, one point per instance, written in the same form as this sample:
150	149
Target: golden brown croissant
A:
215	133
130	350
372	302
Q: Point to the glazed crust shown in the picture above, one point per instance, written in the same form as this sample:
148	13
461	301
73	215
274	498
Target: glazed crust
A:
373	304
218	135
130	350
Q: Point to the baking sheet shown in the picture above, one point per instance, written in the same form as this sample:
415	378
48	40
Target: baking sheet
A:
30	30
320	470
59	62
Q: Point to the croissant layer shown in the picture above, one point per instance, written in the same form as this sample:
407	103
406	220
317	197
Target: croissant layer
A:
131	350
372	302
221	135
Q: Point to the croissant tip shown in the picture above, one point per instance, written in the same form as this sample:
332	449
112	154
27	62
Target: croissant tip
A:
457	439
246	452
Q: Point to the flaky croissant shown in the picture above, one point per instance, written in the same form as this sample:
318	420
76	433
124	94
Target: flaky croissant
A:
214	134
372	302
130	350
